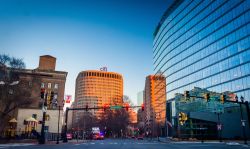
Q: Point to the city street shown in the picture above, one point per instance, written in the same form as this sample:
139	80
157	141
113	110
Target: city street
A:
129	144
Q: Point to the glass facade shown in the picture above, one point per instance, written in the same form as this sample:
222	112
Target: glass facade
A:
206	44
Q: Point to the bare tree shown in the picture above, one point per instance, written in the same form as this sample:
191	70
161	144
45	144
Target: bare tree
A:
12	94
115	122
87	121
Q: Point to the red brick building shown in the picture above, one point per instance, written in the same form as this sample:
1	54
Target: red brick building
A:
45	76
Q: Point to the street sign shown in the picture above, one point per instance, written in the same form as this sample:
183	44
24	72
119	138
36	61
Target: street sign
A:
115	107
219	127
243	123
44	109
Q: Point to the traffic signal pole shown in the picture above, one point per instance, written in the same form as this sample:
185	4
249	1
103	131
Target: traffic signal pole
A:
223	100
42	138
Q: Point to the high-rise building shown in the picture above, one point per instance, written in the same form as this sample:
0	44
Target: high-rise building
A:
155	103
97	88
140	98
204	44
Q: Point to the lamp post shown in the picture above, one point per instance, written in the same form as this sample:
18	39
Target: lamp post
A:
242	121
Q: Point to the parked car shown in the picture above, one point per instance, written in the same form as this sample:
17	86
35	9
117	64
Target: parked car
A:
98	136
69	136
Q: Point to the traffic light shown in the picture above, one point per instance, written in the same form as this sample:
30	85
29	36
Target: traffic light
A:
42	93
207	97
51	97
182	118
142	107
187	94
222	98
105	107
87	107
126	107
45	100
48	99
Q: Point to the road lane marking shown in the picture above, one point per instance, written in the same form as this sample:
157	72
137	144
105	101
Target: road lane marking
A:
233	143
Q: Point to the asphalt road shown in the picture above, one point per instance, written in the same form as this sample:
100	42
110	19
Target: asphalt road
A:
128	144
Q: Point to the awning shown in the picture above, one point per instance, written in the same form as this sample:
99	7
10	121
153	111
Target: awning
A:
13	120
31	119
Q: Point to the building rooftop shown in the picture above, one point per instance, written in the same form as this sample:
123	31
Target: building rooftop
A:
171	8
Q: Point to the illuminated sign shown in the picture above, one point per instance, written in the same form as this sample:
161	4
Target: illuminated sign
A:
95	130
104	69
68	98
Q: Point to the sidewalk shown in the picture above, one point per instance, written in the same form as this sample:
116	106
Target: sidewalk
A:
229	142
8	141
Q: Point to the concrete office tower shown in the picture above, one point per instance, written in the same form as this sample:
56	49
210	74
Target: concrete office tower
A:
97	88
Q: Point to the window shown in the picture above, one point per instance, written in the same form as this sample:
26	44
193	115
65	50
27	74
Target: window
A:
49	85
30	83
42	85
56	86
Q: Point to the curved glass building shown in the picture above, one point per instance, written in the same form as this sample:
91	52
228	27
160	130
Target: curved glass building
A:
204	43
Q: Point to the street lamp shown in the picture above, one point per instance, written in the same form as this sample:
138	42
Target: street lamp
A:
242	121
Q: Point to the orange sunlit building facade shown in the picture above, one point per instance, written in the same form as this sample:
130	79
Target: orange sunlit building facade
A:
155	103
96	89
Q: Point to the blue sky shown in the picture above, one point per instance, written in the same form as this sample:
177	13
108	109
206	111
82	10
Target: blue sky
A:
84	35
